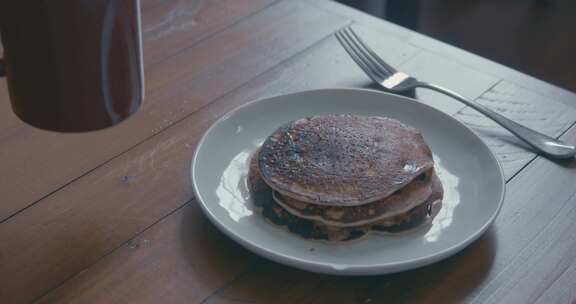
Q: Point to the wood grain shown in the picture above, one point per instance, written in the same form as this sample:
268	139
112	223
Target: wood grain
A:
161	16
130	180
73	228
492	68
560	291
76	239
448	52
35	163
280	284
539	265
195	260
386	29
173	26
287	77
556	104
533	110
428	66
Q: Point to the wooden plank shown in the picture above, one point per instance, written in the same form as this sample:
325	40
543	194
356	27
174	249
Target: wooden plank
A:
173	26
386	29
341	289
528	224
562	289
285	78
541	113
166	31
512	155
155	176
304	72
196	260
490	67
428	66
35	163
449	52
268	282
550	253
74	227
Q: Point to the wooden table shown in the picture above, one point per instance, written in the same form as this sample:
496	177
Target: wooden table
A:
109	216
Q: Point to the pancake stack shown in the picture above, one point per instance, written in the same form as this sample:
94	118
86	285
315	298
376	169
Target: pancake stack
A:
338	177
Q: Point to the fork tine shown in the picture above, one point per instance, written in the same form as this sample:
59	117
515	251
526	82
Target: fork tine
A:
390	70
359	58
360	51
360	61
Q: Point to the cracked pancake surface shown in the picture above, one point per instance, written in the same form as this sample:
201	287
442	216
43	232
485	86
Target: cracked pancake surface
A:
342	160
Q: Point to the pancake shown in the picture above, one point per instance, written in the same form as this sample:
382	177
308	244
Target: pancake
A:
342	160
414	194
415	218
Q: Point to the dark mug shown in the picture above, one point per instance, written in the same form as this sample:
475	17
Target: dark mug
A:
72	65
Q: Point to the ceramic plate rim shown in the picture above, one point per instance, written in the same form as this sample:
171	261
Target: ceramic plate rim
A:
374	269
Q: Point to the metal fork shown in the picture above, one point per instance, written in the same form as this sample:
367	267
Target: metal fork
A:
394	81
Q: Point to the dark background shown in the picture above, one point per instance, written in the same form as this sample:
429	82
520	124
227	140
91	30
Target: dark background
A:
537	37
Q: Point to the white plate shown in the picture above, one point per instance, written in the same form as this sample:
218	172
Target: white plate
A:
471	176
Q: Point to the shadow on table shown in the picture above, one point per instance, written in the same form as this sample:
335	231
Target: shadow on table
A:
374	86
567	163
452	280
211	256
449	281
511	139
508	138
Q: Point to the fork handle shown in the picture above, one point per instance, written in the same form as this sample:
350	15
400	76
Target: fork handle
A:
545	144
